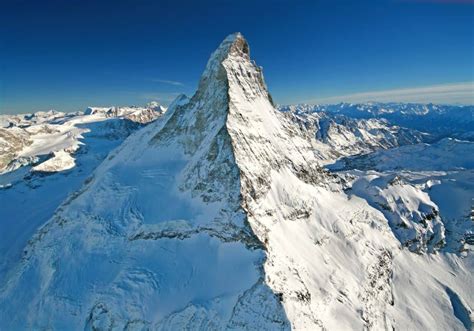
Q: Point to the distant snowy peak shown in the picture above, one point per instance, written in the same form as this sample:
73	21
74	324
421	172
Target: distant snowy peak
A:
56	136
137	114
348	136
378	108
156	106
23	120
438	120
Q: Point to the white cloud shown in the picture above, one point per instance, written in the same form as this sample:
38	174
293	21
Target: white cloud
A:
154	96
456	93
166	81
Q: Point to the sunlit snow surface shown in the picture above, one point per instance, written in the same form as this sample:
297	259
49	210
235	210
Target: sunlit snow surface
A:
220	215
63	151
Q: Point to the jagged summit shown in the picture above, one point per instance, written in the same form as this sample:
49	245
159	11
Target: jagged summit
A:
231	61
233	44
237	44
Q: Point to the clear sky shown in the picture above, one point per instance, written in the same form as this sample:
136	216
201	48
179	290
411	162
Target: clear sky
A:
68	54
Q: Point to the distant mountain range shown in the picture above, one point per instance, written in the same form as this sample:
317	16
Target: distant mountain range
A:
438	120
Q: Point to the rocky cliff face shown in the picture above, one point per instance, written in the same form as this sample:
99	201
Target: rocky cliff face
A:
220	216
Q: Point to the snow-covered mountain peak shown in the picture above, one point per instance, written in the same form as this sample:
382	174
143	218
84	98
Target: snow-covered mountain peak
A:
235	43
232	59
219	215
214	64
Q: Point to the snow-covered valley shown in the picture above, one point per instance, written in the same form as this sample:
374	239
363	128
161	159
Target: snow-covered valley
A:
228	212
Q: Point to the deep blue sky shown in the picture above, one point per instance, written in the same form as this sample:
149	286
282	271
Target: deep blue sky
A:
69	54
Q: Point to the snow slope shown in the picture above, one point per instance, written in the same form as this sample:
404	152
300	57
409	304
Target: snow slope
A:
221	216
443	171
62	151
